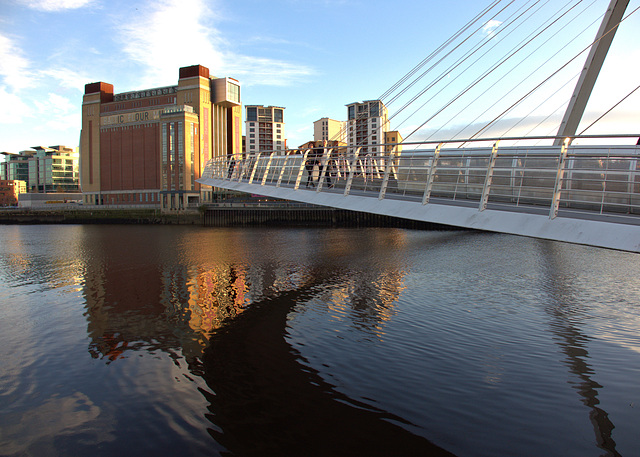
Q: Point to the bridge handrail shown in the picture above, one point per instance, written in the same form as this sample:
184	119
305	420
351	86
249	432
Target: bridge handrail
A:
604	179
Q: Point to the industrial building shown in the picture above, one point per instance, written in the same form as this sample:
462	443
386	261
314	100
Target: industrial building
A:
148	147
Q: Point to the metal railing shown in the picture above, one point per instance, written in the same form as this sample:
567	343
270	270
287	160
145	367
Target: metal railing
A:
593	179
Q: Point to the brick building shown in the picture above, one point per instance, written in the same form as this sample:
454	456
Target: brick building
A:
148	147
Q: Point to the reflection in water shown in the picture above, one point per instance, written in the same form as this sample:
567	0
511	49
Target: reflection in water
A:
229	321
567	315
190	341
268	402
22	266
38	430
215	296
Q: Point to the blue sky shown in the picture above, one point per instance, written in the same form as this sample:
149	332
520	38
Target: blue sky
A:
311	56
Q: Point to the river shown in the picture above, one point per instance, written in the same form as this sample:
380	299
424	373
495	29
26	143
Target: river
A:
192	341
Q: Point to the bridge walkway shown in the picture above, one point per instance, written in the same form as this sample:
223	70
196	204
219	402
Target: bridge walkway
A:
586	195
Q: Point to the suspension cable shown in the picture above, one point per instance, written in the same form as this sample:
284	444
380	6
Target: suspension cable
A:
609	110
427	59
468	88
473	63
522	61
438	50
550	76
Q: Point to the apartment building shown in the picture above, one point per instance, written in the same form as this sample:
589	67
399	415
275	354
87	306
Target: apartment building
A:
326	129
9	191
264	129
367	123
392	139
15	166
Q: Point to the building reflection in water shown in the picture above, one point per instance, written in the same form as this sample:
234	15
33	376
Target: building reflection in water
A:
49	266
227	317
215	296
175	304
269	401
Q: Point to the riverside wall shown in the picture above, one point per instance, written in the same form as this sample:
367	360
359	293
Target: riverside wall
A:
99	216
238	215
222	215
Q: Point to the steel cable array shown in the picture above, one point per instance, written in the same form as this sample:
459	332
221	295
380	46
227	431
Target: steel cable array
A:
518	17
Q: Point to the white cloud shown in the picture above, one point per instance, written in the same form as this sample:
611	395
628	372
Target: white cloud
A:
157	41
14	110
56	5
262	71
13	66
67	78
56	105
490	27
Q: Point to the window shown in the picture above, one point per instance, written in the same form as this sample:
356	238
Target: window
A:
252	130
252	135
352	112
277	115
252	141
278	136
233	92
252	114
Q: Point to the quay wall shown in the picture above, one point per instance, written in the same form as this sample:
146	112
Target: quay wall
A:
99	216
306	216
223	215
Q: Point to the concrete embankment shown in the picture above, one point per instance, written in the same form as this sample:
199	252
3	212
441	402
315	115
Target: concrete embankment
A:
247	215
98	216
222	215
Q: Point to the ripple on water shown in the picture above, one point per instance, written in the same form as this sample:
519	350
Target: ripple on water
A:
463	335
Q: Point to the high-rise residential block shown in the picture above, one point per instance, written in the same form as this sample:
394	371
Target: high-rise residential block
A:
264	129
367	123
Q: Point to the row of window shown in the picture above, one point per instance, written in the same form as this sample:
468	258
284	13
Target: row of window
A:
141	197
253	124
252	135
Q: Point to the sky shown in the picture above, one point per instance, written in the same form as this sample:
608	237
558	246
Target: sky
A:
313	57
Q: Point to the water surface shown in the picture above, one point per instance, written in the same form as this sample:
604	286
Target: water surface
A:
145	340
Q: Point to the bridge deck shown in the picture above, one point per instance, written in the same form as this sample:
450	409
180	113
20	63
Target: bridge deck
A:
580	195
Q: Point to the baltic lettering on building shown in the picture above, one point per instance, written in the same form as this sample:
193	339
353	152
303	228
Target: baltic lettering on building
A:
139	116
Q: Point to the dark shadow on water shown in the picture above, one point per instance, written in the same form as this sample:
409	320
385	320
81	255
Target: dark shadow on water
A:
266	402
567	315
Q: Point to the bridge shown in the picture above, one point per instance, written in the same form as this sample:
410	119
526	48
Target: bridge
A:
576	188
579	194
